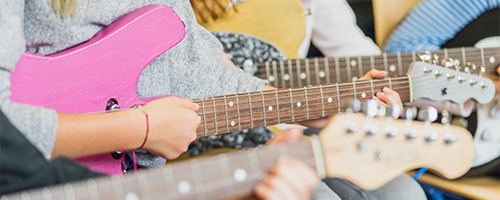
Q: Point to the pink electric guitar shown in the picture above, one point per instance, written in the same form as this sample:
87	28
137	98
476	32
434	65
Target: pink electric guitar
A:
51	81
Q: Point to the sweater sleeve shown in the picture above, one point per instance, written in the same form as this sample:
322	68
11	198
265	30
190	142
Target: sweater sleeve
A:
433	22
38	125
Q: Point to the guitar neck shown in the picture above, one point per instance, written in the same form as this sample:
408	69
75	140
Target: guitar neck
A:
238	112
220	177
315	71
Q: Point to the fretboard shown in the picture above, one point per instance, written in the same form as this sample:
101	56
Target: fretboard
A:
315	71
218	177
224	114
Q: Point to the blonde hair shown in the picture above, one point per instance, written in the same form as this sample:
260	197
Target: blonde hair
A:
64	8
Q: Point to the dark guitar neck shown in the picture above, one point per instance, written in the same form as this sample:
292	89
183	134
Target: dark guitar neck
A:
231	113
220	177
315	71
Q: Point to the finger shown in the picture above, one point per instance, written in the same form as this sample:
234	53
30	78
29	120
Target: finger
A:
291	135
391	97
299	176
187	103
280	188
372	74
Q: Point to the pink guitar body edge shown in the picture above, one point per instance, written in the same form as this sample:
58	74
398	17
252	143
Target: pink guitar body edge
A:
82	79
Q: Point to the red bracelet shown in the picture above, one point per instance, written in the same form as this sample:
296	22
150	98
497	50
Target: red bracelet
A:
140	108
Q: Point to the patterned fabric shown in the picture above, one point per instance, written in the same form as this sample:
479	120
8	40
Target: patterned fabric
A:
245	51
433	22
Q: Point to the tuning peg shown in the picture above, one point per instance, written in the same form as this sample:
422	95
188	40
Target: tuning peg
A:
428	114
445	117
425	56
447	62
391	112
435	59
353	105
482	70
370	108
469	67
410	112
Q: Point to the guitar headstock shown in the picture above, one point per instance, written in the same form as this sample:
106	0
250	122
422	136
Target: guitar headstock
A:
448	83
370	152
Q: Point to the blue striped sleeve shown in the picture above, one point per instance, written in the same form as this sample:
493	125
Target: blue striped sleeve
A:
431	23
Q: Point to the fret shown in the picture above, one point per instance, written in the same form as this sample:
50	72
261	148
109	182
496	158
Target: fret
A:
308	73
299	73
204	121
282	68
371	85
360	66
263	108
337	69
354	88
372	62
24	196
275	72
250	105
307	103
348	66
168	176
338	97
413	56
327	69
400	64
238	110
277	106
290	71
445	51
291	104
464	61
226	175
385	62
227	118
194	165
254	163
117	186
268	73
69	192
92	189
215	116
390	83
322	101
143	185
47	194
316	67
482	56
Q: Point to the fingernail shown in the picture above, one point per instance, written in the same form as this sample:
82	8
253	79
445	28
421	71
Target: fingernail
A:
380	94
196	106
386	89
384	73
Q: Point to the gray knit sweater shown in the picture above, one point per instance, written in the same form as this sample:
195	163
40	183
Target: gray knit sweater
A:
191	69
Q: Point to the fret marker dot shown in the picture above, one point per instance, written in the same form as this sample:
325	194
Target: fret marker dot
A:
330	99
231	104
270	108
232	123
354	78
303	76
354	63
299	104
131	196
492	59
286	77
271	78
184	187
392	68
363	95
240	175
322	74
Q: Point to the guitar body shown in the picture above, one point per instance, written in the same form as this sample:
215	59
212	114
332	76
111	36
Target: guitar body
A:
83	78
281	22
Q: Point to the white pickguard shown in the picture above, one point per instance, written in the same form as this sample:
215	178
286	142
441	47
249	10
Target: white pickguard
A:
487	137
